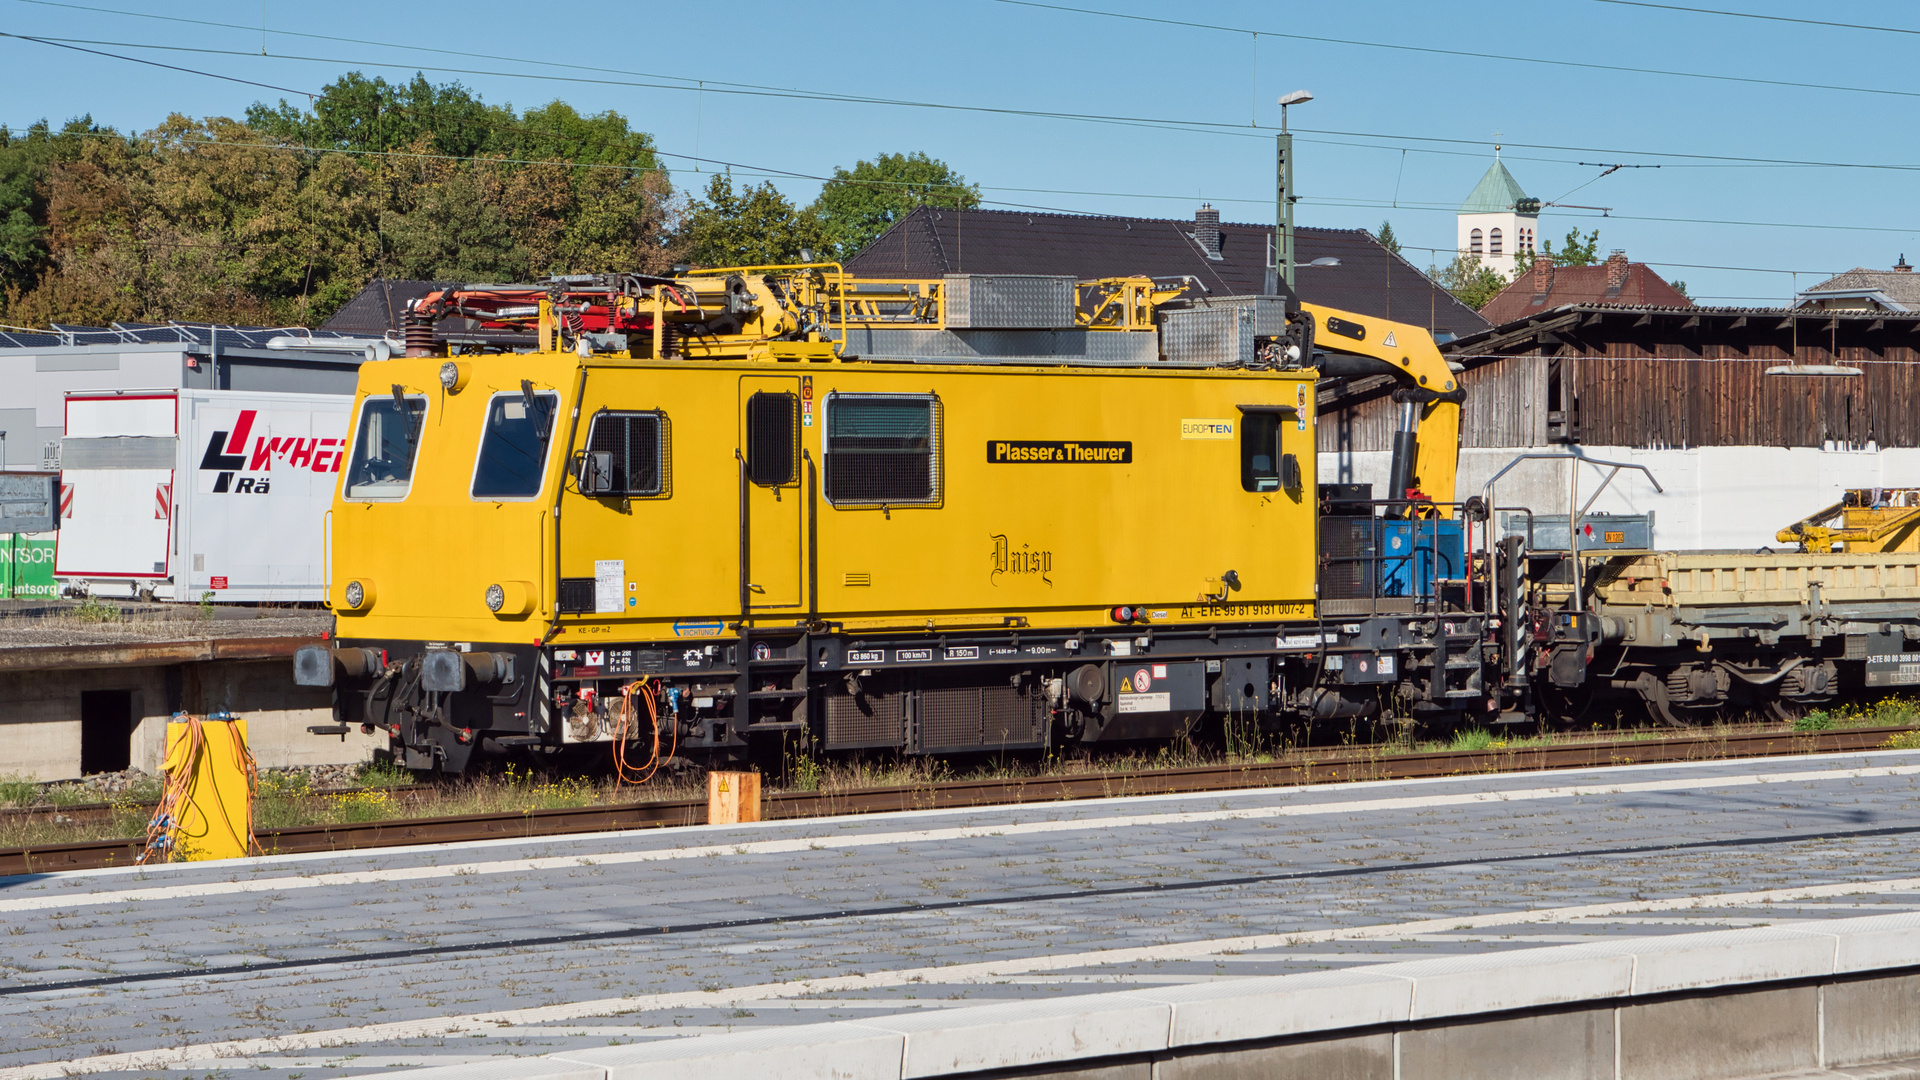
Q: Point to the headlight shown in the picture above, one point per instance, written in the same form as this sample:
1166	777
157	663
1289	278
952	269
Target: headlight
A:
511	599
453	376
356	593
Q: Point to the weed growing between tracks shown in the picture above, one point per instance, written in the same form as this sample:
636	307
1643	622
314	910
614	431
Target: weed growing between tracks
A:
382	791
1887	712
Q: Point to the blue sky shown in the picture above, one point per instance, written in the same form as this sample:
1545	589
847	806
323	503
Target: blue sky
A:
1393	133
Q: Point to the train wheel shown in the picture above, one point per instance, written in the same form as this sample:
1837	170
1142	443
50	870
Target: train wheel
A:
1652	690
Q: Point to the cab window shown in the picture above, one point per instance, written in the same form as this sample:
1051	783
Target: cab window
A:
1260	451
513	446
385	447
882	448
636	447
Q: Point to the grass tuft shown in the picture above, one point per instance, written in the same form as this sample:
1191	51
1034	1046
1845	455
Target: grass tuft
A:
1817	720
91	610
17	790
381	774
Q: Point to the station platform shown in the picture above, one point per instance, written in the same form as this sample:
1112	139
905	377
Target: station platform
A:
486	959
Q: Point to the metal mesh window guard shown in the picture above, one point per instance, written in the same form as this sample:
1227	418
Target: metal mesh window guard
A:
882	449
773	438
638	443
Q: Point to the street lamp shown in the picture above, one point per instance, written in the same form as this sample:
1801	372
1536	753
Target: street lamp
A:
1283	200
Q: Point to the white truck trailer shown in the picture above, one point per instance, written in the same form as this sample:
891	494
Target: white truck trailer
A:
198	494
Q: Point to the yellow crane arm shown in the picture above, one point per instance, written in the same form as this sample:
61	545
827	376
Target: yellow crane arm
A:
1863	520
1426	438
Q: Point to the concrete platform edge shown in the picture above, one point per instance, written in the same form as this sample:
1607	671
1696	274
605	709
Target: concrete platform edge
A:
1622	975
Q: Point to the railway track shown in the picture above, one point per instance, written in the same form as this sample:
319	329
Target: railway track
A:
95	813
1332	766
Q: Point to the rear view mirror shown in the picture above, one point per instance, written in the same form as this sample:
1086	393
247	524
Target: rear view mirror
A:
593	472
1290	472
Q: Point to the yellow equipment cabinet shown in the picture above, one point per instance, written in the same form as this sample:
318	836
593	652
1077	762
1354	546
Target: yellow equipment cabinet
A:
929	552
206	808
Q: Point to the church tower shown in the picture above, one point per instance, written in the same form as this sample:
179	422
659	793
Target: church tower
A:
1498	221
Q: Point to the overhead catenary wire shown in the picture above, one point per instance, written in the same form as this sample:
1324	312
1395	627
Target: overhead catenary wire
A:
753	171
1194	126
1477	56
765	172
1709	160
152	63
1762	18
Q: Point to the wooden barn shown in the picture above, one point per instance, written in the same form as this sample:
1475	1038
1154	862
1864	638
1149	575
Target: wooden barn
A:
1749	418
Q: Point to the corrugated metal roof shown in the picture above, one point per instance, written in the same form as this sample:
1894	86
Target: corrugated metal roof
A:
64	334
1369	280
1548	317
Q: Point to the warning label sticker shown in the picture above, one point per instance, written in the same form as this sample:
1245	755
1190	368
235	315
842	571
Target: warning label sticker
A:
1138	703
1142	681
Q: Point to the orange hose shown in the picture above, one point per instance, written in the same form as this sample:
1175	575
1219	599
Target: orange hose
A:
622	772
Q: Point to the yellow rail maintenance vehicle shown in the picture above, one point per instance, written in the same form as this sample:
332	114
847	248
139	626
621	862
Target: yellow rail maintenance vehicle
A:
742	509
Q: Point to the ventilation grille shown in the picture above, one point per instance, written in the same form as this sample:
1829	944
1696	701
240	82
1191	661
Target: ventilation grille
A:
576	596
978	718
1347	553
870	719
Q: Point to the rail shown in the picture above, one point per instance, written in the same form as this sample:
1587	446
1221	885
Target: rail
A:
1334	766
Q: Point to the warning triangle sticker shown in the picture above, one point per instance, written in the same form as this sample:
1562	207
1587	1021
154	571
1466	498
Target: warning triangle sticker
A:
1126	686
1389	342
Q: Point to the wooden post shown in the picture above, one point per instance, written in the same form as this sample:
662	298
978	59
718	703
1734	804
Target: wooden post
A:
732	797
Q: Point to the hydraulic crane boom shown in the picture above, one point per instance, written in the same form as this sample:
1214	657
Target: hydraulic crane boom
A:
1426	437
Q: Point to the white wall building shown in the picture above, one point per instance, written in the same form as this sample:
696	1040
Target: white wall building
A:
37	369
1498	220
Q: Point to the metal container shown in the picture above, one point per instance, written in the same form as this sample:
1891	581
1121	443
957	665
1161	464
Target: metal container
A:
1598	532
1414	554
28	502
1120	348
1269	312
1209	336
1009	301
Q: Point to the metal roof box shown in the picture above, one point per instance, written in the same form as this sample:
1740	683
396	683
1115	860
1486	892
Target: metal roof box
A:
1269	312
1598	532
1009	301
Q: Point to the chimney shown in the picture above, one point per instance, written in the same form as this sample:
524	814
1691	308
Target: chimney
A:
1542	276
1206	230
1902	265
1616	272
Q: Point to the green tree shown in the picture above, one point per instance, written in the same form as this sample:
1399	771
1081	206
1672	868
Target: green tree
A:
859	204
26	160
358	113
1387	239
1577	252
1471	282
216	219
756	226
